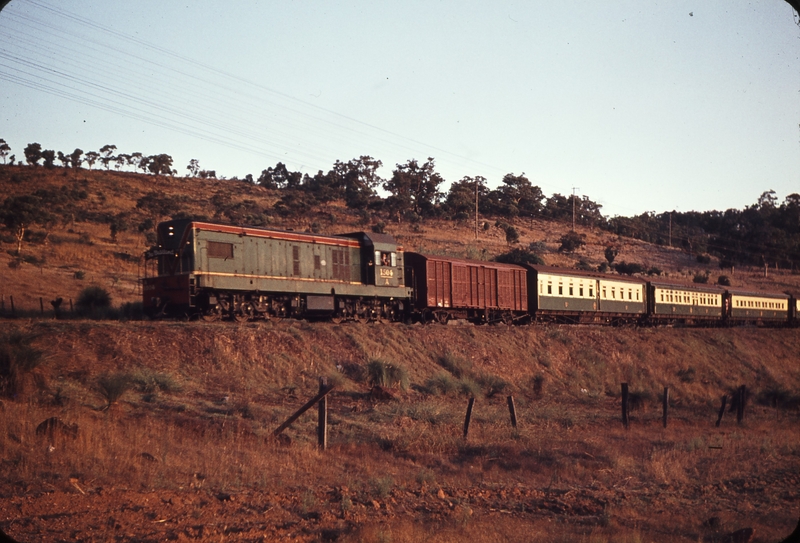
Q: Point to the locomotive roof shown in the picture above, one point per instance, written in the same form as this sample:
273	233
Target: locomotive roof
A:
552	270
277	234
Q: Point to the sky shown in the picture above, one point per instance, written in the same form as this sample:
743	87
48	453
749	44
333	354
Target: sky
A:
639	105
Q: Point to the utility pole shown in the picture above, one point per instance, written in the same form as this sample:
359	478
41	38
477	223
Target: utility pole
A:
476	208
670	228
573	206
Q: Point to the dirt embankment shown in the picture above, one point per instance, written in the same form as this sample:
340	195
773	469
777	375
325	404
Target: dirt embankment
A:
181	449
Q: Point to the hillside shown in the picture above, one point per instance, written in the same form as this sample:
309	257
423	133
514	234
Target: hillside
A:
185	452
77	249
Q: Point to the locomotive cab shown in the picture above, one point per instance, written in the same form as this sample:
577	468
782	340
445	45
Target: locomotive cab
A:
381	259
167	266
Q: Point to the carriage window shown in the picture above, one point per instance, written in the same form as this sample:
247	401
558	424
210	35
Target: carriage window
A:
215	249
570	291
580	291
549	289
560	289
591	292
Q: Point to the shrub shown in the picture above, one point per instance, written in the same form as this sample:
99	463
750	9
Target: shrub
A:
703	259
17	358
443	384
385	374
571	242
724	280
456	365
701	277
519	256
93	298
628	268
112	386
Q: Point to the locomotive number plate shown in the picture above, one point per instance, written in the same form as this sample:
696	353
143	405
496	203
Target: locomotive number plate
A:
387	272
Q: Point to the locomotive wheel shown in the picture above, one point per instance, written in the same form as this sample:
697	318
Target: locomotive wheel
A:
338	318
361	316
212	314
442	317
245	313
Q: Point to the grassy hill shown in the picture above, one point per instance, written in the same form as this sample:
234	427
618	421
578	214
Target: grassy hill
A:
77	248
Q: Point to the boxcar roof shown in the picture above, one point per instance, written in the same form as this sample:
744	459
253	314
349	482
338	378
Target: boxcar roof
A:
552	270
466	262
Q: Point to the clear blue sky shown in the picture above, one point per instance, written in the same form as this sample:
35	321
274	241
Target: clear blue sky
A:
641	105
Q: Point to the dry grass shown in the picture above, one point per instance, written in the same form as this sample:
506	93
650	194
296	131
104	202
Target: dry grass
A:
204	399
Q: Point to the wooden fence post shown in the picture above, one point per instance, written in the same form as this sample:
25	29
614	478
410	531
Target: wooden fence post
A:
3	304
625	404
308	405
722	409
13	314
512	410
468	417
666	405
740	404
41	305
322	426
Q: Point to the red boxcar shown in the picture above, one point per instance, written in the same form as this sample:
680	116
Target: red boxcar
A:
446	288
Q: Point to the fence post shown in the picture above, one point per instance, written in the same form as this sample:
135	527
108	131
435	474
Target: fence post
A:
322	426
722	409
41	305
468	417
740	404
13	314
512	410
625	404
666	405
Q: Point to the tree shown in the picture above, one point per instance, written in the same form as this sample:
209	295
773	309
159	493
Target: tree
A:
280	177
91	158
414	188
64	159
520	197
160	164
33	154
75	158
358	178
611	253
49	157
460	200
512	235
107	154
18	213
194	167
4	149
